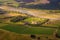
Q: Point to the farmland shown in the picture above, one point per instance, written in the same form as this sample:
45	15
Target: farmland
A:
11	3
26	30
20	23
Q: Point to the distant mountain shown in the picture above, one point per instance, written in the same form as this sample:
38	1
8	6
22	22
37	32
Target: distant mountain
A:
26	1
44	4
42	1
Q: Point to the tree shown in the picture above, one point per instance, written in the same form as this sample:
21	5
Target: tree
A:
2	11
57	33
38	38
33	36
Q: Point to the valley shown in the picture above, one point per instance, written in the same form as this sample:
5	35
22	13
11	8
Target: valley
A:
20	23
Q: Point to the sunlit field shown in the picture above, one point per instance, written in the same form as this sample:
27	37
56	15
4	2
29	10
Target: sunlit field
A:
20	22
21	29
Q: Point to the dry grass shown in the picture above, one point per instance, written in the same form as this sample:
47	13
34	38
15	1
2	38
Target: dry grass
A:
52	23
6	35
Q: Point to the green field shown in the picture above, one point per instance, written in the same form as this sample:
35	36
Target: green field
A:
27	25
21	29
58	32
34	19
11	3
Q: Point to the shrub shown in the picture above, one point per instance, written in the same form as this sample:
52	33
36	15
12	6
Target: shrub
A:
33	36
17	19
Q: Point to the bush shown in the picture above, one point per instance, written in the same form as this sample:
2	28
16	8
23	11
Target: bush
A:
33	36
17	19
2	11
38	38
57	36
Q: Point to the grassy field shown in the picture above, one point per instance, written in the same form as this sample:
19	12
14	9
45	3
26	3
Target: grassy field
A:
21	29
58	32
11	3
6	35
18	30
52	23
27	29
35	19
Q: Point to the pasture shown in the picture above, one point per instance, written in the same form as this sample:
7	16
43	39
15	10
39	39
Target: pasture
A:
22	29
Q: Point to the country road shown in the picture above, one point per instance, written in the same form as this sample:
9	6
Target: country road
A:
40	14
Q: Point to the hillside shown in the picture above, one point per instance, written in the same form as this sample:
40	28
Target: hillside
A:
29	19
52	5
35	4
6	35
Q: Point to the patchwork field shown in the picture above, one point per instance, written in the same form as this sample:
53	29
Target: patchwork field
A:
16	25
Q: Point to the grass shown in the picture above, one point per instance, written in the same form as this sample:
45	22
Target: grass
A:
14	3
39	31
1	24
54	23
7	1
34	19
14	13
21	29
58	32
5	35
